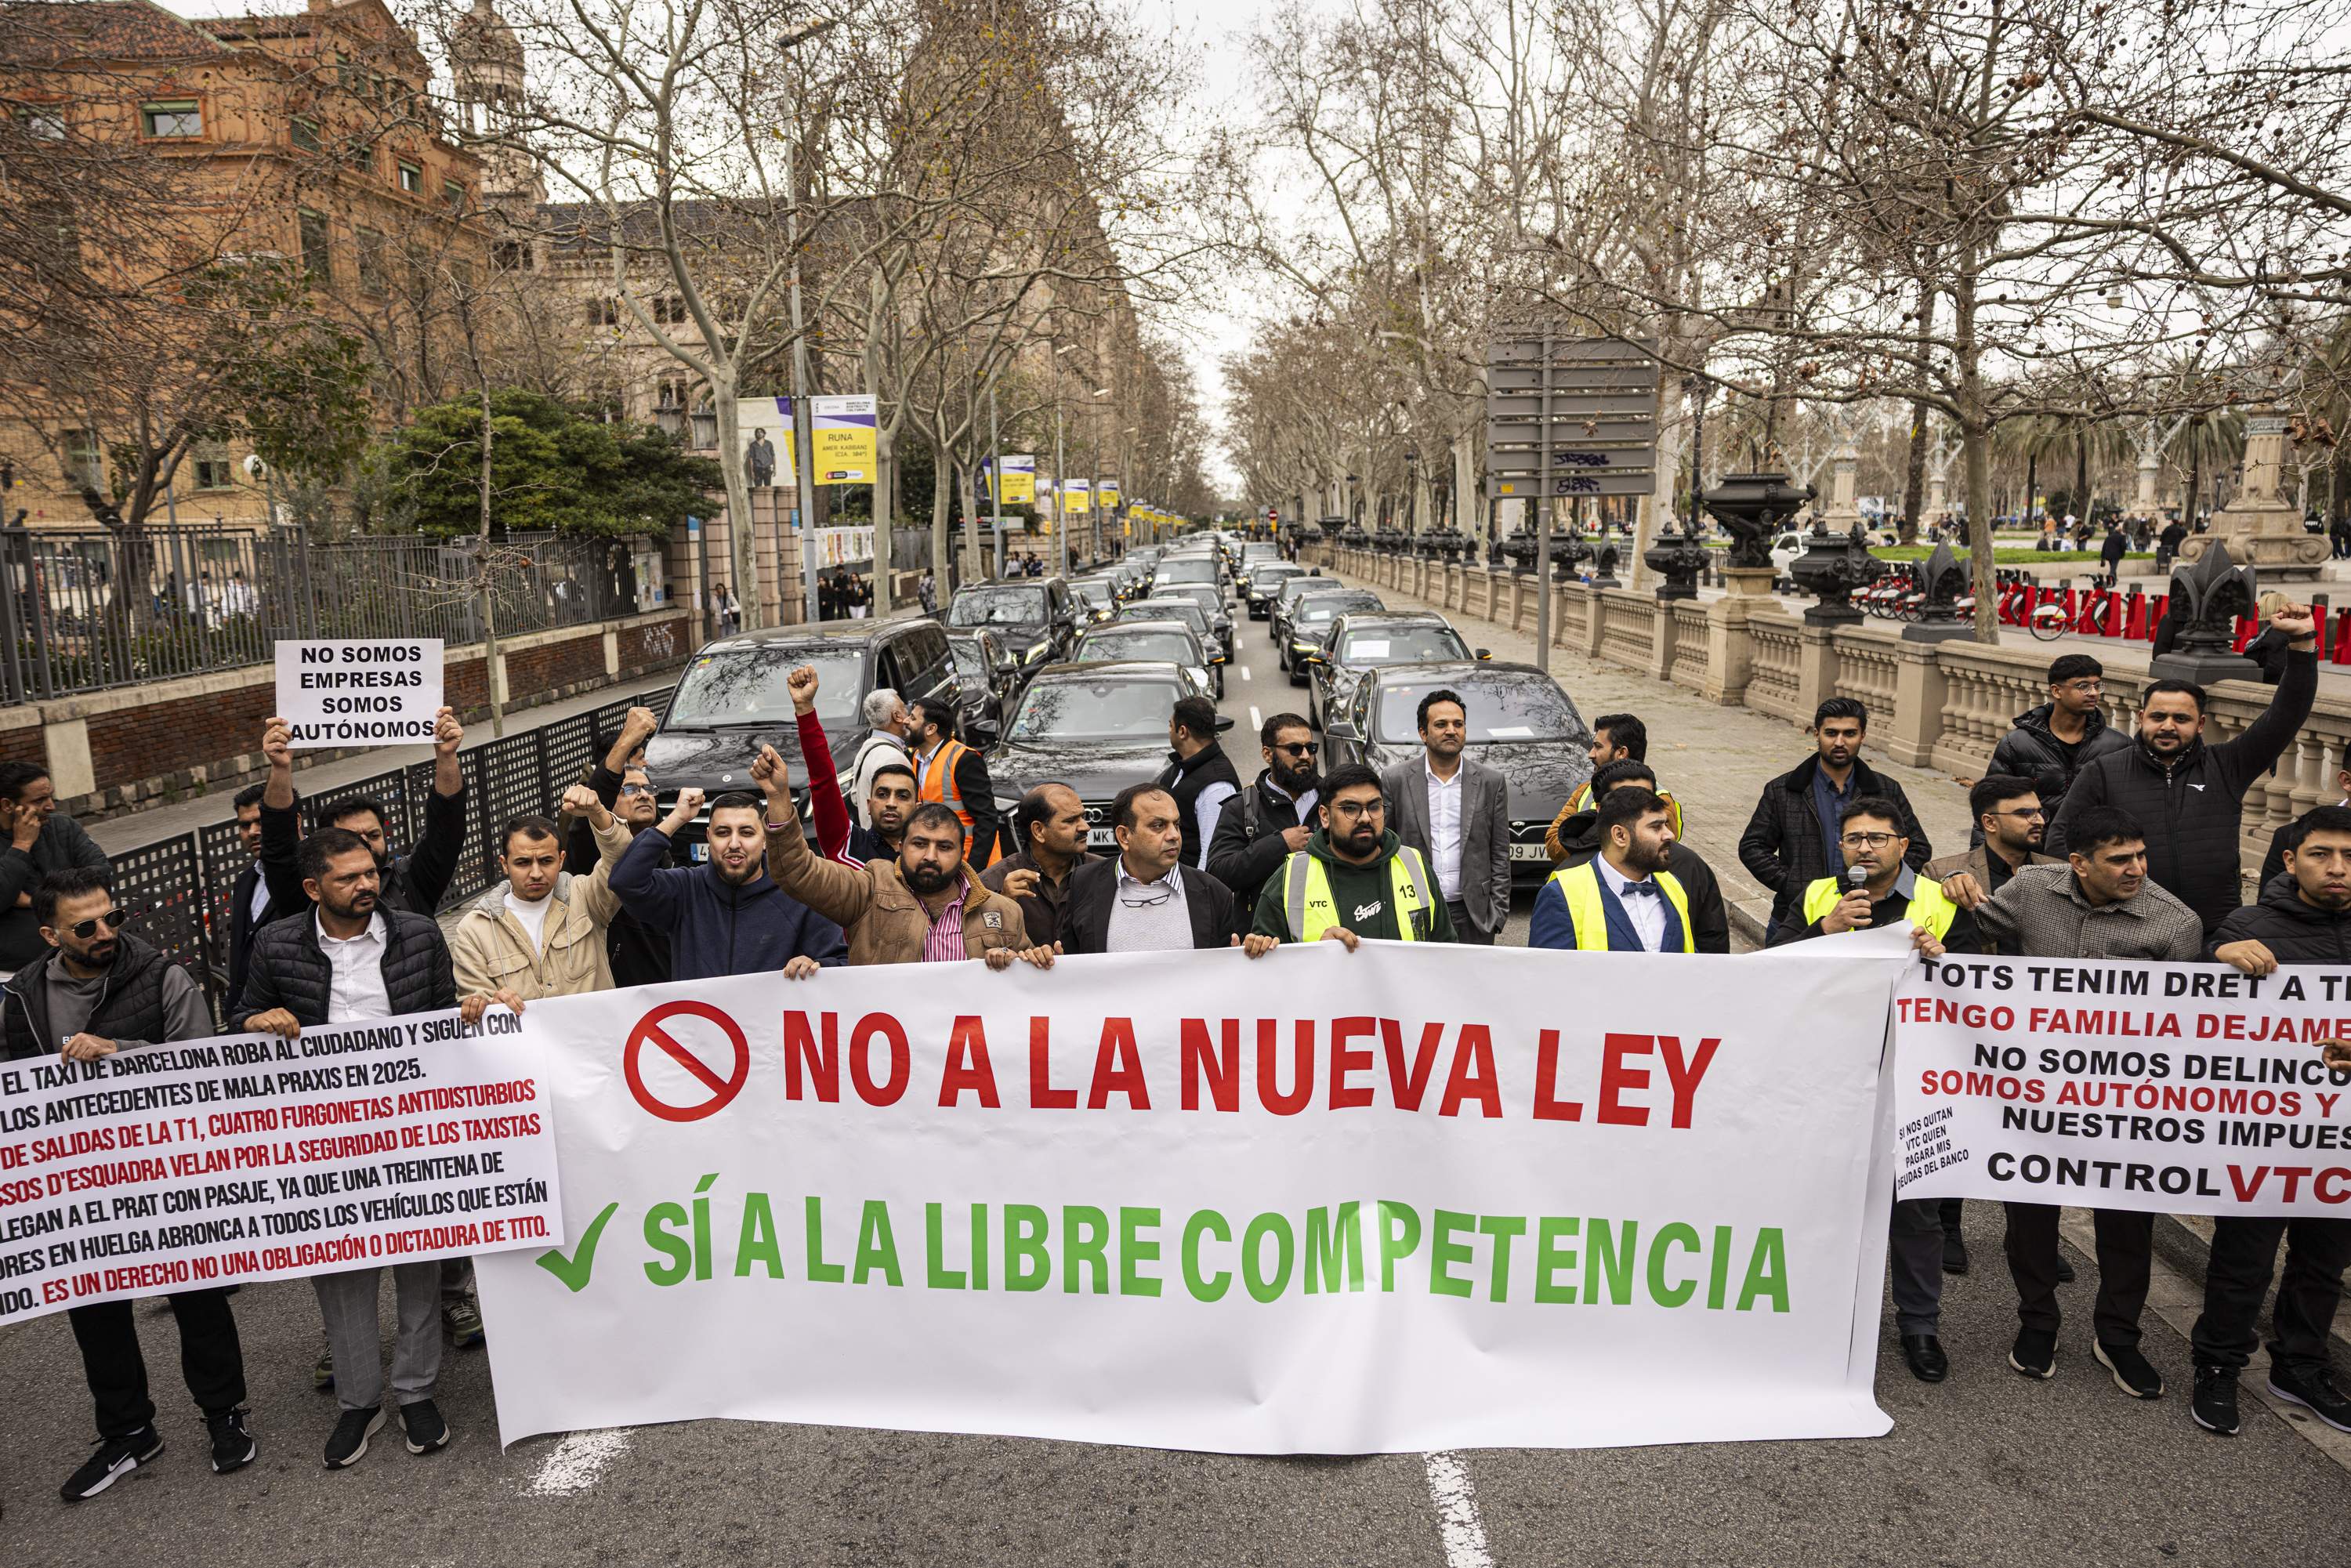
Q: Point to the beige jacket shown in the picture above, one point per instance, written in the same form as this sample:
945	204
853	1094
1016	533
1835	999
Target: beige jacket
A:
885	922
492	952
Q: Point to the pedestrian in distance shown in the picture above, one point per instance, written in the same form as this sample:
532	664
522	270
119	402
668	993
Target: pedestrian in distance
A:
726	915
355	958
95	990
39	839
2099	904
1146	898
926	907
2111	552
1624	898
1457	813
2302	917
1198	775
2053	742
1271	819
1791	839
1354	878
2191	794
1580	841
540	931
637	954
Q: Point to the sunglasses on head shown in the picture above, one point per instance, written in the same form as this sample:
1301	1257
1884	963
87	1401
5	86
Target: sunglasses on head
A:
112	920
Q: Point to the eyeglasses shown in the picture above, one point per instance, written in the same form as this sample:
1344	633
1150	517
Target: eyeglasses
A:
1301	749
112	920
636	789
1867	841
1146	895
2034	814
1347	810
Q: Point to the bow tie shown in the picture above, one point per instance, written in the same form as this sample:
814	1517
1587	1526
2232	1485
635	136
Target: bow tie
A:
1644	889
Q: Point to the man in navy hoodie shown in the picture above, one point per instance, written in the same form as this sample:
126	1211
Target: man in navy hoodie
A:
726	917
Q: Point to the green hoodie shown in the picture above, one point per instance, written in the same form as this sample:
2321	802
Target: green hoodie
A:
1362	895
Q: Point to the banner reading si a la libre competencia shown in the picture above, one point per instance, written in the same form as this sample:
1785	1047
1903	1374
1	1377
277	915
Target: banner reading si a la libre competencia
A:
2172	1087
218	1162
1393	1200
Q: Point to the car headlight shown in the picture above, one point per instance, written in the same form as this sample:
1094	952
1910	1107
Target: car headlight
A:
1036	651
1297	647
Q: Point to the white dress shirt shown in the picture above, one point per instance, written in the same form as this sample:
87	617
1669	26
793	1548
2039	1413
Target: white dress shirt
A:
1445	829
357	991
260	896
1647	911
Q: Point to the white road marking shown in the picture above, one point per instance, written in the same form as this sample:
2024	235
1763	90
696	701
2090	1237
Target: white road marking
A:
577	1462
1245	675
1457	1524
1256	721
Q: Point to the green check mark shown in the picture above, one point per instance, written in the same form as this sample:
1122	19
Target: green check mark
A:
575	1269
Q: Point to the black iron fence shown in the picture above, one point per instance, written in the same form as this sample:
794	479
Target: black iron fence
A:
178	889
85	609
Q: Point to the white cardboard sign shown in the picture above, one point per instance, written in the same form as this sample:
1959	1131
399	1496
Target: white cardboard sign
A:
354	692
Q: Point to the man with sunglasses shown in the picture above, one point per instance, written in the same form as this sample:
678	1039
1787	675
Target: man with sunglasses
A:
1270	820
638	953
94	991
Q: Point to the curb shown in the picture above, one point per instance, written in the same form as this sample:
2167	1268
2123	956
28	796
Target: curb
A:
2177	1244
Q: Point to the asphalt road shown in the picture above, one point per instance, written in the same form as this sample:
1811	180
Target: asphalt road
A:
1987	1468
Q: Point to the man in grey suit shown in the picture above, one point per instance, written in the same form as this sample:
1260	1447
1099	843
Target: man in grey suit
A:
1457	813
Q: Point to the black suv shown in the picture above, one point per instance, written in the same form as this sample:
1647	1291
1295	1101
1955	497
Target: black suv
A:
1036	618
732	698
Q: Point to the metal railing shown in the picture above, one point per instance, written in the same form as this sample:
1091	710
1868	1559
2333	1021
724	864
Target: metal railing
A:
85	609
178	889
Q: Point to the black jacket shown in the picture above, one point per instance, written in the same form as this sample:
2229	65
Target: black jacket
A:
1783	847
639	954
2032	750
1247	847
130	1005
1085	911
286	897
1185	778
415	881
2193	812
1710	917
290	970
2293	931
61	843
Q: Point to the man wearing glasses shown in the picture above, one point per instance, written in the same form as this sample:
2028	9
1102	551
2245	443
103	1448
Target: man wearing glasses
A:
1270	820
2011	815
1354	878
94	992
2056	741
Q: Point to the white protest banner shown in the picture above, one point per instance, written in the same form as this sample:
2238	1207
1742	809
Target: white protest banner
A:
1404	1198
354	692
215	1161
2172	1087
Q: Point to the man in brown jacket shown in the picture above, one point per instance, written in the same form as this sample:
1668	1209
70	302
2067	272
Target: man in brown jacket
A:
540	932
926	907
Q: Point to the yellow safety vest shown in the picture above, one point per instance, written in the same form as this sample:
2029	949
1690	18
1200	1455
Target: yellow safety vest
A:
1581	800
1579	886
1928	908
1310	910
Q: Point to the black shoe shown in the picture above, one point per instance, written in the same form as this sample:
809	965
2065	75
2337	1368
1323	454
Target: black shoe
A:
2314	1392
426	1431
2215	1405
233	1446
349	1445
110	1460
2064	1272
1924	1352
1955	1253
2035	1353
2134	1374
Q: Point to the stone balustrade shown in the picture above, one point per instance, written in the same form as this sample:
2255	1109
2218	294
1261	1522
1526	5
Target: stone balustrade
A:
1931	705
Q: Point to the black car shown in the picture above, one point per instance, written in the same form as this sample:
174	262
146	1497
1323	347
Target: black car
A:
988	676
1522	724
1097	599
1036	618
1211	602
1363	639
732	699
1309	618
1259	582
1201	569
1094	728
1286	595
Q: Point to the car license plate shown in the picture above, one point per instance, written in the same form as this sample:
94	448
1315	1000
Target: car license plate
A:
1100	838
698	851
1527	852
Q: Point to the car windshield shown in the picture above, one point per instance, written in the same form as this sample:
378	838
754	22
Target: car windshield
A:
748	687
1293	589
998	607
967	658
1061	710
1205	597
1401	646
1323	608
1201	570
1527	707
1156	609
1136	642
1262	578
1093	593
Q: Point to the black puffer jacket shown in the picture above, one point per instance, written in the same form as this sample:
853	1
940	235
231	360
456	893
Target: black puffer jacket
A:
130	1004
416	882
2293	931
290	970
2032	750
1783	847
2192	811
1709	919
1248	846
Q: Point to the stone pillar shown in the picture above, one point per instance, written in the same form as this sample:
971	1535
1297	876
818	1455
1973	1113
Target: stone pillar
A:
1844	479
2262	528
612	655
1729	652
1663	630
1595	618
71	771
1920	690
1816	667
2149	467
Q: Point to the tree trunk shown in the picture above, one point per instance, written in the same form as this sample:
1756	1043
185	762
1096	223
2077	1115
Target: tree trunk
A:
942	506
966	497
2081	471
1914	476
487	588
1975	431
885	513
742	559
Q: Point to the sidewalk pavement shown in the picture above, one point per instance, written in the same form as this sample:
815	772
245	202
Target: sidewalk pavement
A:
117	834
1715	761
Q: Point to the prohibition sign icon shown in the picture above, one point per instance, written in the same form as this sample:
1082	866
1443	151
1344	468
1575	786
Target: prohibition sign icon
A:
722	1090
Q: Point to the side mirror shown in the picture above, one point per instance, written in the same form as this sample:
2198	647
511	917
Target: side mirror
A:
1316	659
1223	722
1485	652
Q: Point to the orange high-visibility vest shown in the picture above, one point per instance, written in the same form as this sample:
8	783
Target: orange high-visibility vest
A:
938	783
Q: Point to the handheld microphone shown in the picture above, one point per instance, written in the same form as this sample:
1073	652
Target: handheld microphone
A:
1856	878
